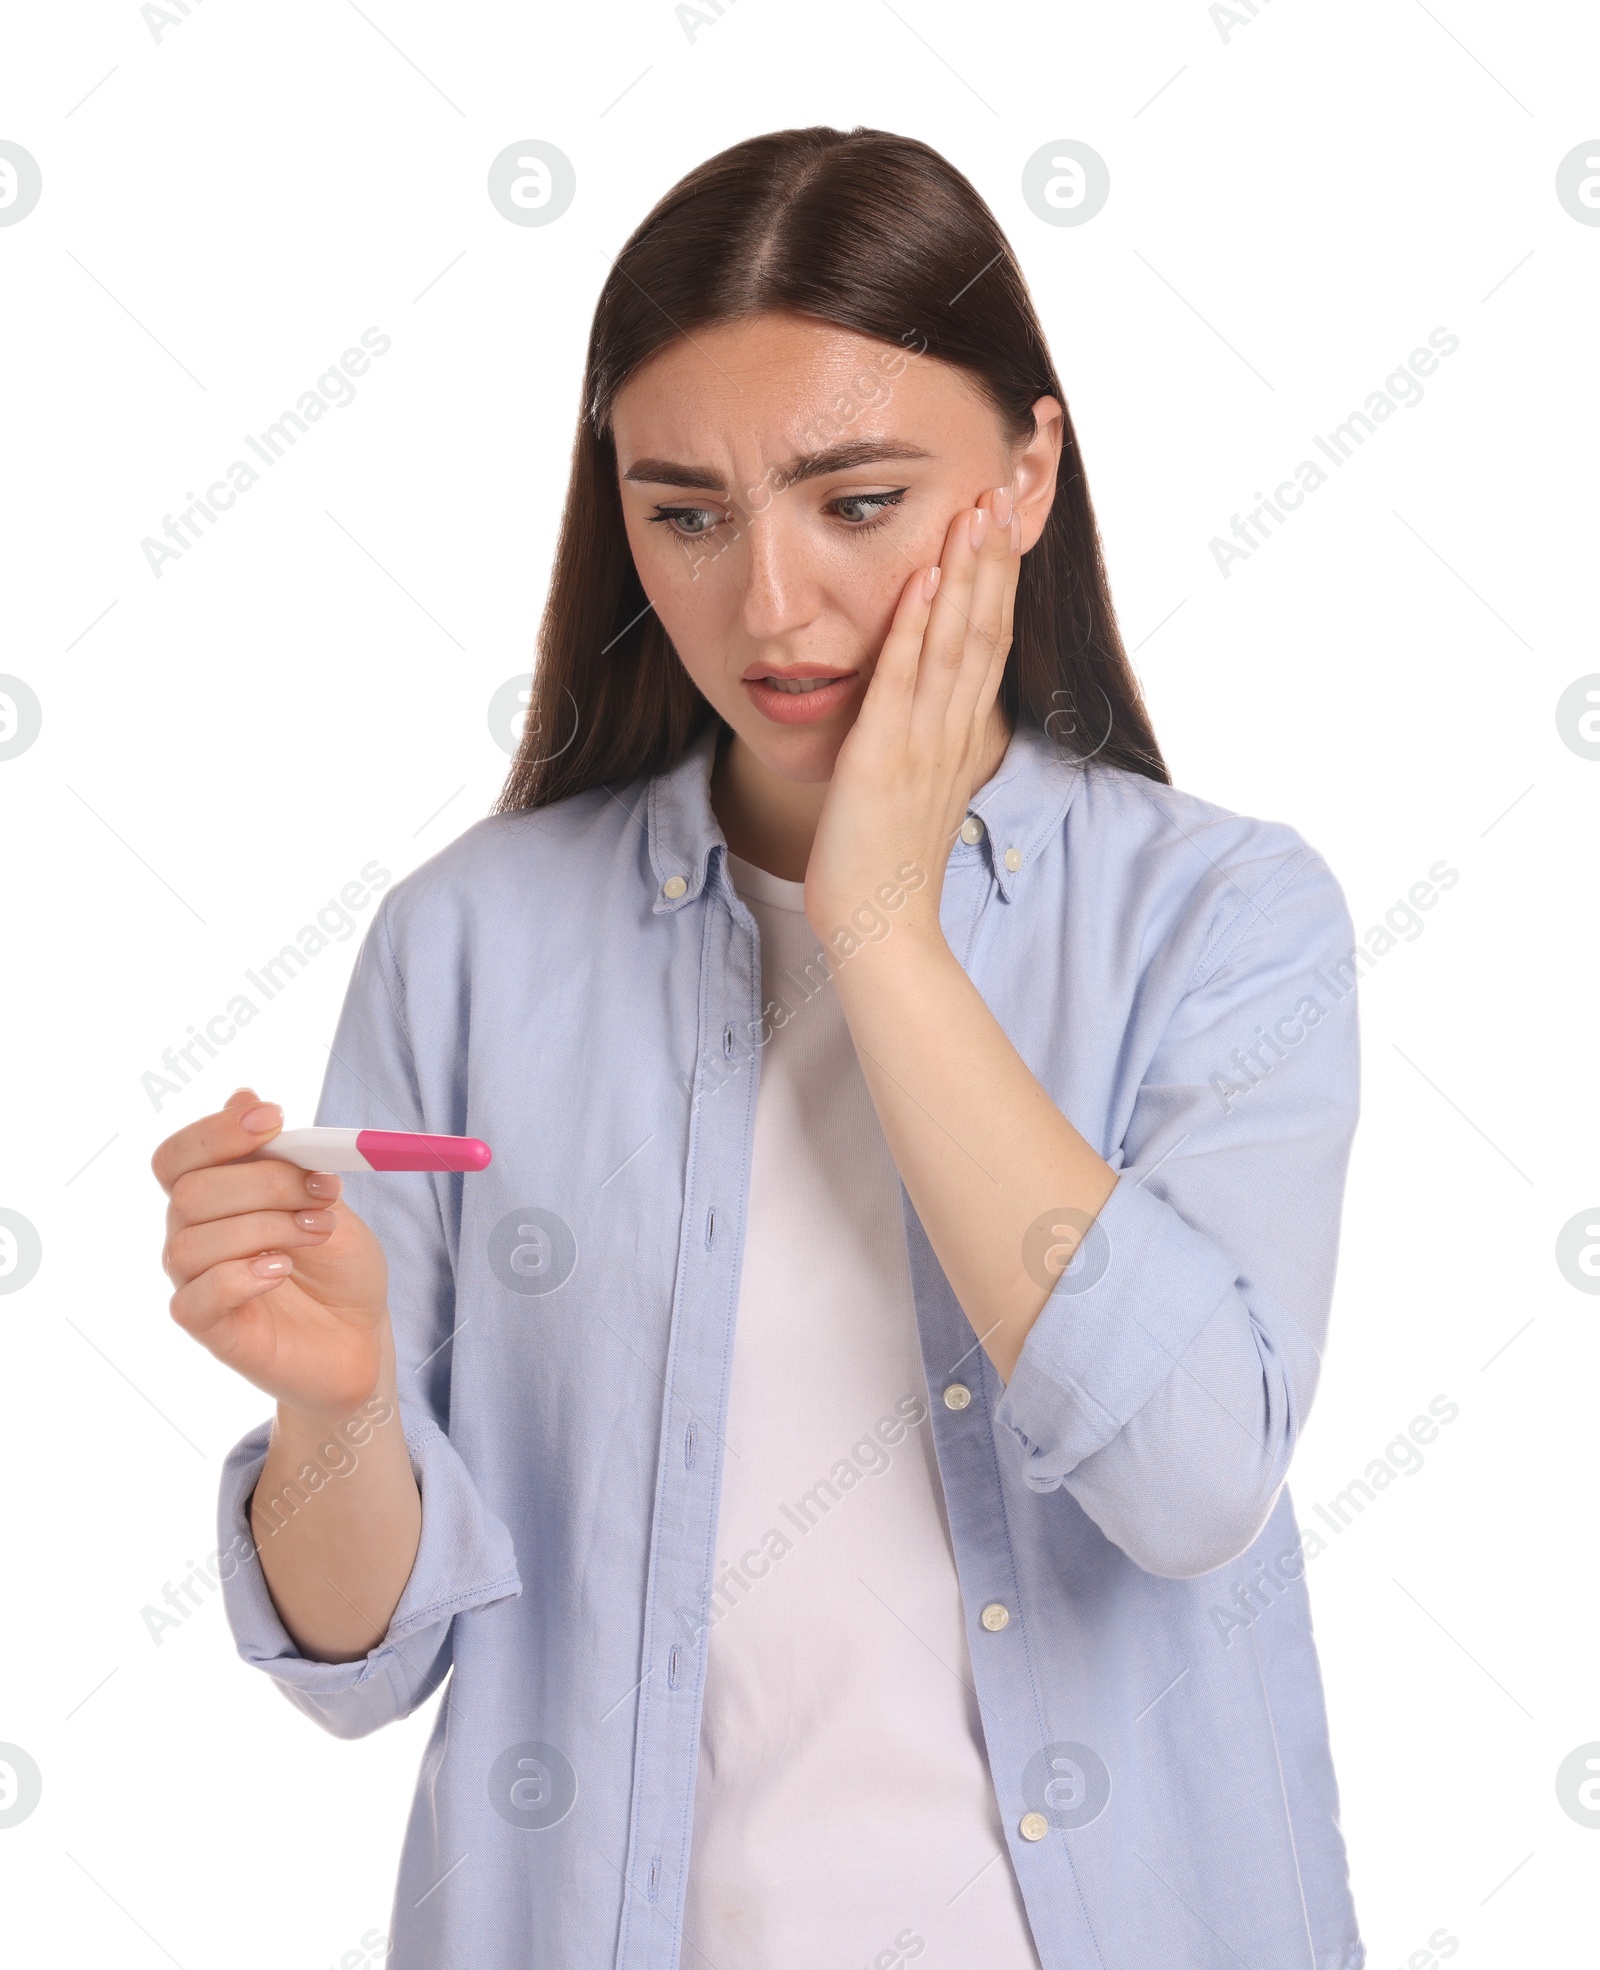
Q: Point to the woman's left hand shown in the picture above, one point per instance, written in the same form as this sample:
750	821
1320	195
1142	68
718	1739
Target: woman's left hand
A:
906	770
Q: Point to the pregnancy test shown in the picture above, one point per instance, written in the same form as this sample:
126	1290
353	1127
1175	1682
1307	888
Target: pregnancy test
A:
376	1149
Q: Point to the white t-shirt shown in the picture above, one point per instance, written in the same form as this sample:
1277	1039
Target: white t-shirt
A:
844	1814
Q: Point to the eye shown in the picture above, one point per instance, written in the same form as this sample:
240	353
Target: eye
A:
861	512
687	522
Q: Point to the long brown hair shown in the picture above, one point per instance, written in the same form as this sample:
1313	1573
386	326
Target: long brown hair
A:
873	233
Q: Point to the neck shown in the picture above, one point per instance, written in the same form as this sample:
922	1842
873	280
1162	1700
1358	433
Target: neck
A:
771	821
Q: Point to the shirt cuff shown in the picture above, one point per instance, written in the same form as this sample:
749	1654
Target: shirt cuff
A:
1139	1289
464	1561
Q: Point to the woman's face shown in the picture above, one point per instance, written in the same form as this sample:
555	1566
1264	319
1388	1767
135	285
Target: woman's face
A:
782	479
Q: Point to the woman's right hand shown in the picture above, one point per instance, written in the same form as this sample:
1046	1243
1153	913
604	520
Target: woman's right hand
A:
274	1275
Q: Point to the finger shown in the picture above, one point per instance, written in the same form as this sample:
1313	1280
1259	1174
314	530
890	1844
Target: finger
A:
225	1190
1015	531
947	716
203	1305
216	1139
997	669
989	633
984	615
944	644
889	691
197	1247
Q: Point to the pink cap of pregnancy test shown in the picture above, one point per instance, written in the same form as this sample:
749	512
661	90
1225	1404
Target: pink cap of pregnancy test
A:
394	1149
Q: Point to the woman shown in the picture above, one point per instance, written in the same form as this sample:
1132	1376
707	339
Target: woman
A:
839	1443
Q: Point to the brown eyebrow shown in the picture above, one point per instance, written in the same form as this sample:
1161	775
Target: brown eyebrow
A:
810	465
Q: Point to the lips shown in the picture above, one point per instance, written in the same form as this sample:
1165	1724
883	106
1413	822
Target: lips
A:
799	696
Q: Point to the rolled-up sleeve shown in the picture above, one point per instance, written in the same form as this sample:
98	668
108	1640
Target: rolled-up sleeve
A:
1168	1377
465	1558
464	1562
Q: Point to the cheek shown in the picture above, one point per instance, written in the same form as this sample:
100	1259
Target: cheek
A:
865	588
672	569
866	577
687	583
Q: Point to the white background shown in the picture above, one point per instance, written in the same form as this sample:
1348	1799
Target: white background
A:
1305	198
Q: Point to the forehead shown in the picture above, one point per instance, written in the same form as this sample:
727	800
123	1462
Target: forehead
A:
773	379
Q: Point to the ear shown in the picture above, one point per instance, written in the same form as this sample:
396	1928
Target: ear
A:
1035	469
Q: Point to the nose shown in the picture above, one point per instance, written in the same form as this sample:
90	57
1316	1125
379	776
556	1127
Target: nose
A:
779	595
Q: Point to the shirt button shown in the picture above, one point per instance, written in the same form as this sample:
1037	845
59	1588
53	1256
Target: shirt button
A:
1033	1826
971	829
957	1396
674	886
1013	859
994	1617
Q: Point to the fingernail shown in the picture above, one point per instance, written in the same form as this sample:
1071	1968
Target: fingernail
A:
238	1095
309	1220
261	1119
322	1183
269	1265
978	526
930	584
1001	506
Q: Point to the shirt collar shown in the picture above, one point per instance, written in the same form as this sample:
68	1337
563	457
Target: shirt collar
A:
1019	809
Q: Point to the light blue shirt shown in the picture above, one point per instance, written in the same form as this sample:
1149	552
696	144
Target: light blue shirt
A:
581	987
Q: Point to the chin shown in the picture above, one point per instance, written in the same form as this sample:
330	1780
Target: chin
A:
805	756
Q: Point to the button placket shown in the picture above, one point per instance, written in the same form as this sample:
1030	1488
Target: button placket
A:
684	1515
